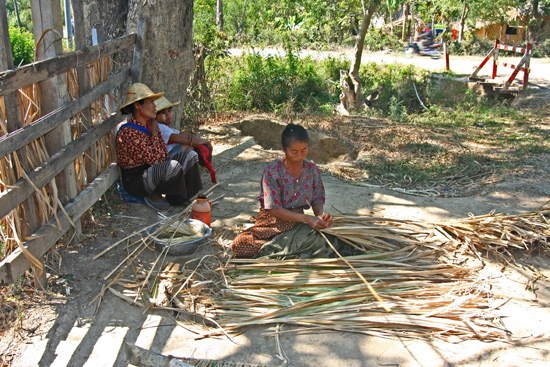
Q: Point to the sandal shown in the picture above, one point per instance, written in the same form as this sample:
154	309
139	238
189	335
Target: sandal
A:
160	206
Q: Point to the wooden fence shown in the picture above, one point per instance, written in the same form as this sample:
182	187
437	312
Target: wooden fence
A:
12	145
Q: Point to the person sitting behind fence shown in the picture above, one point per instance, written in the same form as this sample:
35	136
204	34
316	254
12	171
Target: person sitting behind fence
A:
289	185
177	141
145	166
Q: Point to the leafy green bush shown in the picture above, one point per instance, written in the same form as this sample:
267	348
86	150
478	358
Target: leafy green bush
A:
22	46
470	46
292	84
270	84
395	86
542	49
380	40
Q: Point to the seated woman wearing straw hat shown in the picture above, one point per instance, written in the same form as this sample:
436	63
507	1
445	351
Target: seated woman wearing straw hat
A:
289	185
177	141
146	168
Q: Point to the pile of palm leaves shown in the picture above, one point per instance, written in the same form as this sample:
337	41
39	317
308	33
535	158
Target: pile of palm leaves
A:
412	279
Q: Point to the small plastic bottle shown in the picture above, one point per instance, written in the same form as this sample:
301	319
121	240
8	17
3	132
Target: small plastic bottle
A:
201	209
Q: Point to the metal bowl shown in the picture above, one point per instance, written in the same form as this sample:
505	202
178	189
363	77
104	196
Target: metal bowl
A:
183	248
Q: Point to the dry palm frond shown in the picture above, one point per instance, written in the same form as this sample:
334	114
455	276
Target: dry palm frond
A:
410	265
428	299
499	233
145	288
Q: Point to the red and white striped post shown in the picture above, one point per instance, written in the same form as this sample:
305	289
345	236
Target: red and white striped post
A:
526	66
495	57
446	51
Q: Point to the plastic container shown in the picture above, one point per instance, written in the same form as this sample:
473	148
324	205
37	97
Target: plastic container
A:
201	209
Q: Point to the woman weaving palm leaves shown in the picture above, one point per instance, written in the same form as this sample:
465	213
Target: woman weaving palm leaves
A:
289	185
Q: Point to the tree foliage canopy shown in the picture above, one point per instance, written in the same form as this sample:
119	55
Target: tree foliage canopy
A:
322	22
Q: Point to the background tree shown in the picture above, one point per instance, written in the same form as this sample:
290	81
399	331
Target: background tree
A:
350	82
535	9
24	10
219	15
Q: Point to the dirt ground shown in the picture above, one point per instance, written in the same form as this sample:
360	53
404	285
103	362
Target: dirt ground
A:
61	328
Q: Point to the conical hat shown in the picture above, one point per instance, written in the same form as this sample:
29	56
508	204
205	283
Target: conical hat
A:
137	92
162	103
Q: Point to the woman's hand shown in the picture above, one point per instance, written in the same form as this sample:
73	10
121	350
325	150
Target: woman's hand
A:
327	218
320	222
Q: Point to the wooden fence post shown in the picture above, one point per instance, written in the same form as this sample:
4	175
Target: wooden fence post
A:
13	119
138	50
48	28
84	86
527	66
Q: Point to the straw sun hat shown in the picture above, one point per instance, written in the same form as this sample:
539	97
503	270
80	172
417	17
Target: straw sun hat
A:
137	92
162	103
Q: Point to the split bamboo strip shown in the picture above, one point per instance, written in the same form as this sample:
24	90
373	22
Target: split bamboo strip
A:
46	203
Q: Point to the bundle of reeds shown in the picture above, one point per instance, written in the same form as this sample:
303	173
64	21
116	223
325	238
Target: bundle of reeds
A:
148	286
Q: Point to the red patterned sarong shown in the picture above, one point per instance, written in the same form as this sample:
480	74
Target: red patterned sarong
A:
249	242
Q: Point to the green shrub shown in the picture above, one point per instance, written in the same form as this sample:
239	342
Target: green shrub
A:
471	45
380	40
22	46
541	49
396	86
292	84
270	84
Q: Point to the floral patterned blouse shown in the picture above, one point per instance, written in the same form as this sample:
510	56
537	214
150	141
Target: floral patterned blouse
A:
134	148
280	190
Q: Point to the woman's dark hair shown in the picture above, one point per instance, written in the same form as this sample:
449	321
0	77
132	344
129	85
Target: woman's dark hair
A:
293	133
130	109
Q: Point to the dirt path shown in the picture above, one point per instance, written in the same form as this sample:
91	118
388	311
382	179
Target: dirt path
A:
78	334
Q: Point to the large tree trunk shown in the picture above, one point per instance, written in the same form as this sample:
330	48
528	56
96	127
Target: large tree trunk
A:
111	15
534	24
465	11
168	58
353	77
241	23
405	22
390	18
219	15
